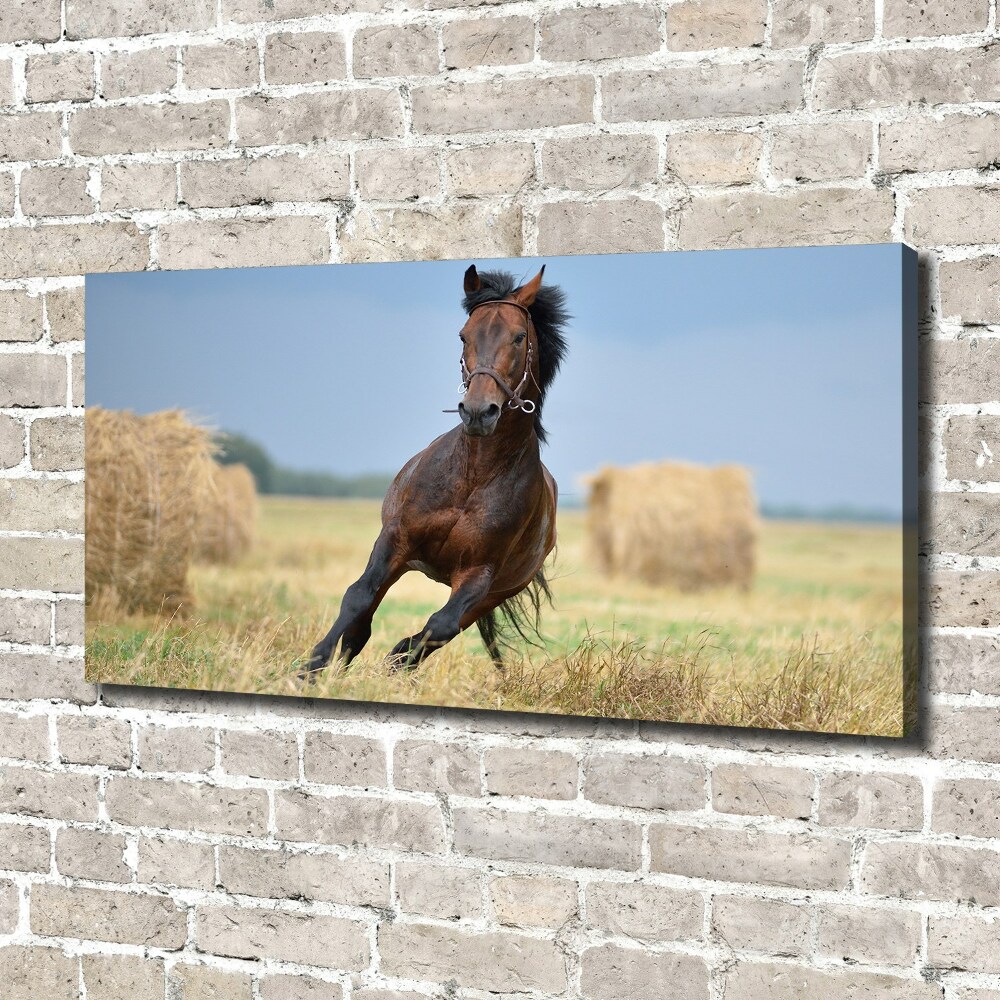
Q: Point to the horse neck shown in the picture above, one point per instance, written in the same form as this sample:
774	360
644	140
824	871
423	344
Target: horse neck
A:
513	441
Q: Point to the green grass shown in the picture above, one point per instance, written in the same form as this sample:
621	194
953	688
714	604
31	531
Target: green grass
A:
815	644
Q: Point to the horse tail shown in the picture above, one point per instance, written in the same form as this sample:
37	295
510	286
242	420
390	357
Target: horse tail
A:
520	616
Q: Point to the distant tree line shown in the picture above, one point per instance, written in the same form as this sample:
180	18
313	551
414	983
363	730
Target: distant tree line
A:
273	478
836	512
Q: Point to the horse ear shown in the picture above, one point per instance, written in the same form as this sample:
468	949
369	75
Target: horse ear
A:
472	282
527	292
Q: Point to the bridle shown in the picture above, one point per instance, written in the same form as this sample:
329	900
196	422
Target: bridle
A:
514	399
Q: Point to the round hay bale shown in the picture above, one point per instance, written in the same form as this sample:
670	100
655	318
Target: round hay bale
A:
228	525
148	480
674	524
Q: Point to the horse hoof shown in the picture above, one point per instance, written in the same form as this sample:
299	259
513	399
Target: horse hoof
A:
307	673
400	662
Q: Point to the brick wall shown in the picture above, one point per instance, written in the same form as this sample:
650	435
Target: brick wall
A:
174	845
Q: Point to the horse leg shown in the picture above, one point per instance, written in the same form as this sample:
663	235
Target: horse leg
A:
461	610
487	625
353	627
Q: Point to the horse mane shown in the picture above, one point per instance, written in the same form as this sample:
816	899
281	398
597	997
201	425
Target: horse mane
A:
548	313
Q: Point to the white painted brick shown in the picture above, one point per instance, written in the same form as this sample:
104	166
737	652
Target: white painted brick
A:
758	981
244	242
26	20
490	41
29	973
926	143
912	19
23	619
611	971
470	229
599	162
20	319
702	90
532	900
126	186
391	50
233	64
144	71
821	152
906	77
600	33
250	11
613	226
35	136
98	18
60	76
64	309
489	169
120	129
954	215
439	891
111	977
297	987
801	218
714	157
170	862
280	874
397	174
285	936
497	961
6	82
772	926
202	982
868	935
806	22
694	25
347	114
56	191
117	917
503	104
294	177
645	912
305	57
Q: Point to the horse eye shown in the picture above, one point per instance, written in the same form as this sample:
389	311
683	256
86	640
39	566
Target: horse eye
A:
519	338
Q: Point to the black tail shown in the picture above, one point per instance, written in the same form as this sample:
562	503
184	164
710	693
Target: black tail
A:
520	615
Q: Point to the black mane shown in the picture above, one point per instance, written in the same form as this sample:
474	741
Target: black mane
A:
548	313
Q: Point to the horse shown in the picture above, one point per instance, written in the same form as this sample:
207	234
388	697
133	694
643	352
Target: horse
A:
476	509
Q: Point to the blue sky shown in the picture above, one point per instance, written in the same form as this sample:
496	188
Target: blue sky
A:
787	361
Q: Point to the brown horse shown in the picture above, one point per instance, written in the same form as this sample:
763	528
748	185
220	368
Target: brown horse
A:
476	509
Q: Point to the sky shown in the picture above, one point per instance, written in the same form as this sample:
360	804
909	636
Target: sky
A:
787	361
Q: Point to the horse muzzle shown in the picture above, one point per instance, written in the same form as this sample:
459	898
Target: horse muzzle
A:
479	419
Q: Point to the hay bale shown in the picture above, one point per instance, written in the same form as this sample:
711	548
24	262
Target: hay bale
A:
229	523
148	480
674	524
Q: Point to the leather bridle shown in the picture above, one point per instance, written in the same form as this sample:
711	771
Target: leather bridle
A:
514	398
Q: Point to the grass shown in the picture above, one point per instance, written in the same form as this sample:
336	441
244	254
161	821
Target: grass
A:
815	645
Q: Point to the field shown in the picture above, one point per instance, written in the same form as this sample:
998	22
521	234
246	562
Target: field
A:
815	645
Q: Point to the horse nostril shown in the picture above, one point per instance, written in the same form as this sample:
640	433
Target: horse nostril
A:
491	412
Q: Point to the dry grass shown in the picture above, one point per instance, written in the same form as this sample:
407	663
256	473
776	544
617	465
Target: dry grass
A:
674	524
812	691
229	522
816	644
148	479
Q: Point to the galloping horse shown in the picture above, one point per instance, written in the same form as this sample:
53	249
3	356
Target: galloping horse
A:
476	509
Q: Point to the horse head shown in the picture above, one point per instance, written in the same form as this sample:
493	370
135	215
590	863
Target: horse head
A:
499	356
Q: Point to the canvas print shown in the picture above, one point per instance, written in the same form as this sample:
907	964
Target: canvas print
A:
668	487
